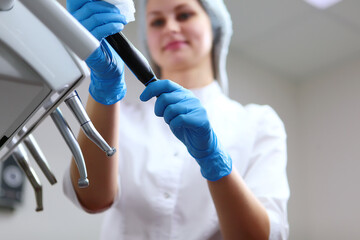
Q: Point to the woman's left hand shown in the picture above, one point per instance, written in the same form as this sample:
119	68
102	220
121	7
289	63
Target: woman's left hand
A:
189	122
102	19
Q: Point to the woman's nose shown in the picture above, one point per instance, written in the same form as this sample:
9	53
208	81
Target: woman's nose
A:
172	25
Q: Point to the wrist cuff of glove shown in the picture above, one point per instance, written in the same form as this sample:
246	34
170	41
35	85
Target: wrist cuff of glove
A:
216	166
107	92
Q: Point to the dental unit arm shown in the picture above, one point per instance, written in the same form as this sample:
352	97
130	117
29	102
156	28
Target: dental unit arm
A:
42	48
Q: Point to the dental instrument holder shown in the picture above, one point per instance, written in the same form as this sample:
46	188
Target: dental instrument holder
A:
67	30
30	76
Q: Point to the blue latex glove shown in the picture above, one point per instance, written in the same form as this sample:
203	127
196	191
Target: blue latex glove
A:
189	122
102	19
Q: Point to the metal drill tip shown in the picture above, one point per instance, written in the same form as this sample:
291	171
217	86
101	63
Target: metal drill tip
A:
111	152
39	209
75	105
83	183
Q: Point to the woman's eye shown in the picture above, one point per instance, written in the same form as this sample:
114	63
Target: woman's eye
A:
157	23
184	16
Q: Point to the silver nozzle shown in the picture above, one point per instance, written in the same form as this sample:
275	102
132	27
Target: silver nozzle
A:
91	132
72	143
75	105
21	158
38	156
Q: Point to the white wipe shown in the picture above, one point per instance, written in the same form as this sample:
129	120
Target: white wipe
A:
126	8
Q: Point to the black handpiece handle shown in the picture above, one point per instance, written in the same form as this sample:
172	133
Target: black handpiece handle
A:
132	57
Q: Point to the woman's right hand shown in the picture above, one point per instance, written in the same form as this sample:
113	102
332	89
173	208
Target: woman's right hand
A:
188	120
102	19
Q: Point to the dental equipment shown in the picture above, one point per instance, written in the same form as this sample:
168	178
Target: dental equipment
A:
30	76
22	160
33	80
70	140
74	103
38	156
132	57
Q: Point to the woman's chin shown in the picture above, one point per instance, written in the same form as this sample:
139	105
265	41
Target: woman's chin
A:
177	65
177	61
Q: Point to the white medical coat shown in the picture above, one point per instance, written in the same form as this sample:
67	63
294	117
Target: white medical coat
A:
162	194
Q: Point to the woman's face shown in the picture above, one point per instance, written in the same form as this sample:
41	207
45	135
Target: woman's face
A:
179	33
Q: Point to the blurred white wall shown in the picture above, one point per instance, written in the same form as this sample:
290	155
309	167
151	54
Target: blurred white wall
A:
320	116
250	83
330	153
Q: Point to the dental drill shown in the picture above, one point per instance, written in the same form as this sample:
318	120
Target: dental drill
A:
72	143
74	103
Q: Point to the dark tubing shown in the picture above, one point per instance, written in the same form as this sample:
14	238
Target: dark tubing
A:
3	140
132	57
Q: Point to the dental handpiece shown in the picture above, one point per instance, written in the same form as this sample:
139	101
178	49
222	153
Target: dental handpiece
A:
75	105
38	156
21	158
72	143
132	57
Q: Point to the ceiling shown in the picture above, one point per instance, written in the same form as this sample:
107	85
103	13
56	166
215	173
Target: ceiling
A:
293	38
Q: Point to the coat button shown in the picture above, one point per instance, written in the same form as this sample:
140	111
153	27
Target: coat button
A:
166	195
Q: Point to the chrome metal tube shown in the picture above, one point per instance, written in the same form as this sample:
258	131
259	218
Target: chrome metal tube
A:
21	158
72	143
38	156
75	105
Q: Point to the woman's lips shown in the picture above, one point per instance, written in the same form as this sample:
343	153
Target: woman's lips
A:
175	45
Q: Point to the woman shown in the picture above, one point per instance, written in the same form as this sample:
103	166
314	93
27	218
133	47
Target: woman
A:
152	187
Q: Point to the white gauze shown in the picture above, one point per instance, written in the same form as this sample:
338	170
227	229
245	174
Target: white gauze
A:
126	8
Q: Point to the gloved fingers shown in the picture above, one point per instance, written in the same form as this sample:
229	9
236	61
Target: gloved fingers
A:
104	24
73	5
103	51
174	110
107	30
196	119
95	57
106	59
92	8
157	88
100	58
166	99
